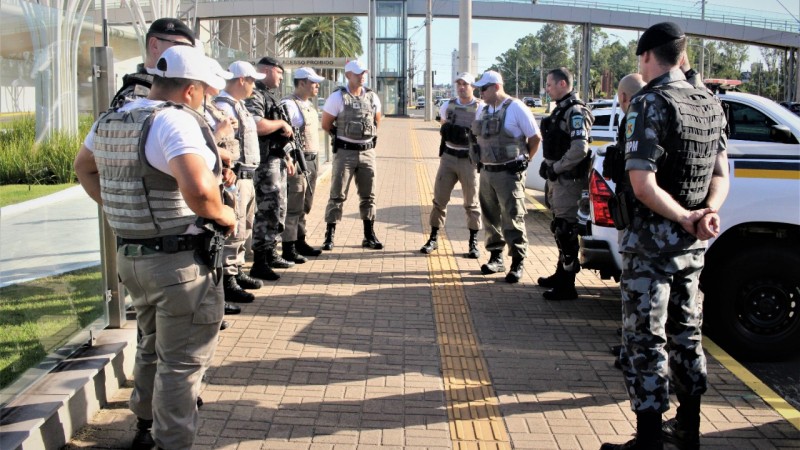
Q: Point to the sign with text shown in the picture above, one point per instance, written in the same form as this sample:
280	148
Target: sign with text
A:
317	63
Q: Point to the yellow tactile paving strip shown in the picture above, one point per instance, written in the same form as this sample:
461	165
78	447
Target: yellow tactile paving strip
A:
472	406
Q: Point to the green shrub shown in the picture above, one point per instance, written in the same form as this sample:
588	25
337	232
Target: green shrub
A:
22	161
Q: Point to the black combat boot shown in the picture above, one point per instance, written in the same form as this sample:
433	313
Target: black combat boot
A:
290	253
684	430
329	232
304	249
495	263
261	267
515	273
565	290
231	309
473	252
143	440
553	280
276	261
432	243
370	240
648	434
234	293
246	281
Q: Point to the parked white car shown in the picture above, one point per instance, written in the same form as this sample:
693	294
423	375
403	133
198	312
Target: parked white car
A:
751	278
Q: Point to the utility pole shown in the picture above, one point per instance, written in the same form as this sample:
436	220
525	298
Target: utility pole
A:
428	77
465	36
703	73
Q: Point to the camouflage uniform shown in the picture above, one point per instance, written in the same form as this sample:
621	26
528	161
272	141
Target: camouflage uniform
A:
270	176
661	308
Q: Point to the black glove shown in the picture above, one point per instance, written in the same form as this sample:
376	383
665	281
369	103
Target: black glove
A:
551	174
543	170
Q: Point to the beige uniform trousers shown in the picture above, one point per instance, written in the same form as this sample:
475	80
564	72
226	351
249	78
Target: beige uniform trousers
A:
454	170
349	164
233	254
178	311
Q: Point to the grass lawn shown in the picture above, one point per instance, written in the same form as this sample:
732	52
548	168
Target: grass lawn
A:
11	194
39	316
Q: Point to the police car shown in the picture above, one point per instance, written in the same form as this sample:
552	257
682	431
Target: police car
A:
751	278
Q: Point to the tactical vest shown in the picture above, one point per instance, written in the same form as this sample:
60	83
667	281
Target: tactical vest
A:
310	127
228	142
685	169
555	141
357	121
246	134
134	85
455	131
140	201
496	144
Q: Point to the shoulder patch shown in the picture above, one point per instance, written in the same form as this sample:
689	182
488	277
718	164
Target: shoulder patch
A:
577	122
630	124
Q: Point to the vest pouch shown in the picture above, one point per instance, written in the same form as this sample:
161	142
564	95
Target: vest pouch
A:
354	130
491	127
508	152
621	210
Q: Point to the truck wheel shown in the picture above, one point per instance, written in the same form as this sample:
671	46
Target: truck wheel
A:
754	303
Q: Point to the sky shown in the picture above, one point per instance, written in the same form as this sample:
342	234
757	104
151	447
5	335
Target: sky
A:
496	37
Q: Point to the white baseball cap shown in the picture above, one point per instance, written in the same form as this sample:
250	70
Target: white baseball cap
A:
217	69
489	77
466	77
182	61
355	66
307	73
243	69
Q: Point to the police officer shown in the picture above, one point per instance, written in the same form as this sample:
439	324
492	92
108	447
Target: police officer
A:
231	100
275	140
614	161
351	115
301	186
456	115
566	163
678	176
224	127
162	34
507	138
168	176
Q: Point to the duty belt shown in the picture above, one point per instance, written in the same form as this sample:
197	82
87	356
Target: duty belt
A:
164	244
511	166
244	173
456	153
310	156
344	145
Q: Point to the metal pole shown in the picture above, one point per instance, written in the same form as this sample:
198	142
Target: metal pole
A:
333	43
586	60
428	78
703	41
516	77
465	36
103	85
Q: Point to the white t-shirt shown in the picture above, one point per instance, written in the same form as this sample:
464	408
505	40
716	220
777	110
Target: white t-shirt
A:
295	115
334	105
519	118
172	134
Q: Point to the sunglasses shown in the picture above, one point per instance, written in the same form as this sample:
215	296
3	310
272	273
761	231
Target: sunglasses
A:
485	87
174	42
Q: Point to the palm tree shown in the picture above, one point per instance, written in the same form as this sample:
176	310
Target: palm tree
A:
313	36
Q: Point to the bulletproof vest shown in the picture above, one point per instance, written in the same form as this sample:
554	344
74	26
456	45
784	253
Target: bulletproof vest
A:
228	142
246	134
455	130
357	121
272	111
496	144
140	201
310	127
685	169
555	141
134	85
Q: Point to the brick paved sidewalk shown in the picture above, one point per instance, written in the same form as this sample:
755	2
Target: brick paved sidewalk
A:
392	348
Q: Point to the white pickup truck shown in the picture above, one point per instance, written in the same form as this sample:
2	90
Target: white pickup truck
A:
751	278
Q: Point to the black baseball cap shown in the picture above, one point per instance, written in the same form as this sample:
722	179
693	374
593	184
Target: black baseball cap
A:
169	25
270	61
658	34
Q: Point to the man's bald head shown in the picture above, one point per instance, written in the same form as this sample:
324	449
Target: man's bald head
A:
628	86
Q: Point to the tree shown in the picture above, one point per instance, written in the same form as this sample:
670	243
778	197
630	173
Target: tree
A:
519	66
312	36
